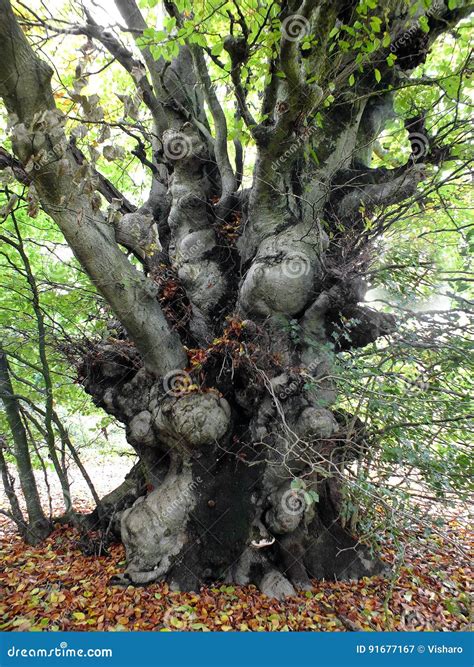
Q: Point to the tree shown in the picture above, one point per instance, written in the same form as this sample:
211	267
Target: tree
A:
232	303
35	417
37	526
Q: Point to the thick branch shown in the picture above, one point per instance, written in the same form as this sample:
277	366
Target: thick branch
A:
220	123
63	192
381	194
360	326
174	84
9	161
106	188
134	68
8	481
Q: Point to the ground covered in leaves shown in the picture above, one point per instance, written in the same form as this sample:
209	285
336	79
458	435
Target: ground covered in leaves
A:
55	587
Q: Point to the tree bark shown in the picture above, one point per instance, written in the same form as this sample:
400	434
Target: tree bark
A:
8	481
38	526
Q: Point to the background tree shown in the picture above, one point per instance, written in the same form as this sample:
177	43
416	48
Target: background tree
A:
237	285
37	527
32	416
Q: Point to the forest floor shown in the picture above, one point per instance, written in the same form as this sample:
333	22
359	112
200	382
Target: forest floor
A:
55	587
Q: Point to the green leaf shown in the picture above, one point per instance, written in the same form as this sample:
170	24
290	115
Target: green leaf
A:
169	23
375	23
307	498
391	58
424	25
314	495
156	51
297	483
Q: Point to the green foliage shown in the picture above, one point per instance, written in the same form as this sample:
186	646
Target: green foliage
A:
70	306
414	391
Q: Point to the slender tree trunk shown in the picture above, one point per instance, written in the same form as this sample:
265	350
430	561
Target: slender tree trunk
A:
48	385
38	526
67	443
16	515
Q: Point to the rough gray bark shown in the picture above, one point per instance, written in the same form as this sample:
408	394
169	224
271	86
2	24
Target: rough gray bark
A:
223	430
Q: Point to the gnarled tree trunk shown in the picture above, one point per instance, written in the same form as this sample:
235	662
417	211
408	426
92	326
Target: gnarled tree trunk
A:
221	362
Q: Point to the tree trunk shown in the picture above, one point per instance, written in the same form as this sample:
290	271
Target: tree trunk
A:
8	481
221	444
38	525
